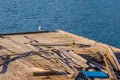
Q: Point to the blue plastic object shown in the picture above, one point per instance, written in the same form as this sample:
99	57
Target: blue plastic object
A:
95	74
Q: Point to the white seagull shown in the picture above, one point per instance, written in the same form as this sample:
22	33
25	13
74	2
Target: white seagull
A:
40	28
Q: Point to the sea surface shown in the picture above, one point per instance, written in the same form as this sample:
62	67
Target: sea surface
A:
95	19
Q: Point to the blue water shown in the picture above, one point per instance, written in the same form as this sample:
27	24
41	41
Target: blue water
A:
95	19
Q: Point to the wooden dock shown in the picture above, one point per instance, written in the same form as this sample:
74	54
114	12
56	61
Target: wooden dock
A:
57	54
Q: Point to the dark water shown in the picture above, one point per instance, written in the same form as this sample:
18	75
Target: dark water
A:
94	19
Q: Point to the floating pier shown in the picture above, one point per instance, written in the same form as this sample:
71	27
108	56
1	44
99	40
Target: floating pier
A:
55	55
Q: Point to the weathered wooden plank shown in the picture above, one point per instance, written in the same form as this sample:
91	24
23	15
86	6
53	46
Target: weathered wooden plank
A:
114	58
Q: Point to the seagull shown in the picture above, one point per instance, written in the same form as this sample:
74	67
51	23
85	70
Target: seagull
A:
40	28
